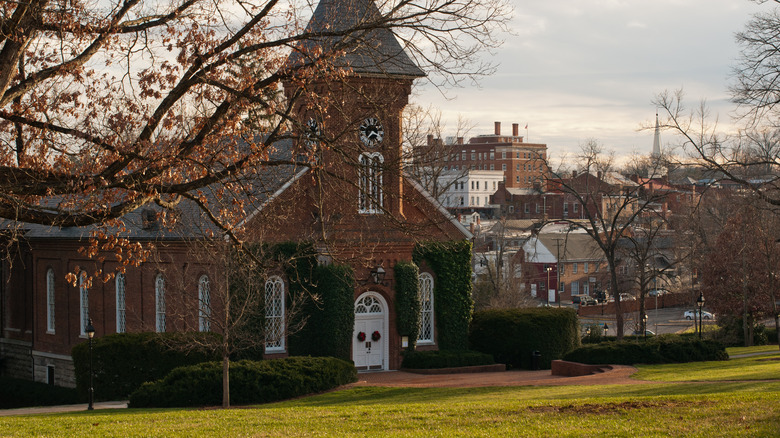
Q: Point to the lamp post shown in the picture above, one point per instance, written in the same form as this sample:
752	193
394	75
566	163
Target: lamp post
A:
606	327
90	331
700	304
547	292
644	319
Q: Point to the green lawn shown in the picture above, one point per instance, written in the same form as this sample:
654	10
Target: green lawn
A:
745	407
763	367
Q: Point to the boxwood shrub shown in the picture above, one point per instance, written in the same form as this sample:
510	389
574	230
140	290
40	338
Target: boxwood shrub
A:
445	359
123	361
250	382
512	335
662	349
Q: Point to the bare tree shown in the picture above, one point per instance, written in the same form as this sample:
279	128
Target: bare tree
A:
228	293
611	205
428	155
108	106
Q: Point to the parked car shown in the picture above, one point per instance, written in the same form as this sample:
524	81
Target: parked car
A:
694	314
647	333
583	300
657	292
626	297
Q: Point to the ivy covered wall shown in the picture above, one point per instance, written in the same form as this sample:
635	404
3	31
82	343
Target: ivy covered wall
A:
451	265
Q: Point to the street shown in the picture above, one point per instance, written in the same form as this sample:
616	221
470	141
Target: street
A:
660	321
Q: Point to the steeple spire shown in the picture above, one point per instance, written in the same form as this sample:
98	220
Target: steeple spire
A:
657	138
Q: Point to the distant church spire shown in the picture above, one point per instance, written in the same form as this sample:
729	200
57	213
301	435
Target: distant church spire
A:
657	138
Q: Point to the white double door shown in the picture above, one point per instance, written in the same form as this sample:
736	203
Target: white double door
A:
368	354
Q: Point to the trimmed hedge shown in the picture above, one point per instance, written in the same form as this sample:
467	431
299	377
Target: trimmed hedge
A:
662	349
512	335
123	361
18	393
451	264
329	323
250	382
423	360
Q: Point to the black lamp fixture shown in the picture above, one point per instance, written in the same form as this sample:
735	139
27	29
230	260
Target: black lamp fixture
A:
90	331
644	320
376	276
700	304
606	327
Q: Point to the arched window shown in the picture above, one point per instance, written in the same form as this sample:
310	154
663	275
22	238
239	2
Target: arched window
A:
370	183
159	303
50	300
204	304
120	303
83	303
426	309
274	314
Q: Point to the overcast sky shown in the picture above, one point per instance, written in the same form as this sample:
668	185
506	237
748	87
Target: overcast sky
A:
576	70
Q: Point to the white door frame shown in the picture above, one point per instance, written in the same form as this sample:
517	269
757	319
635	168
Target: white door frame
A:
385	325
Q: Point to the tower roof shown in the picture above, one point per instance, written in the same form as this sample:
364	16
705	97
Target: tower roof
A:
371	51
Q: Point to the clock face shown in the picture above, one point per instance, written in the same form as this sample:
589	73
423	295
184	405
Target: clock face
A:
312	131
371	132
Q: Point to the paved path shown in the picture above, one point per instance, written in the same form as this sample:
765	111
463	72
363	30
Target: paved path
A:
64	408
618	375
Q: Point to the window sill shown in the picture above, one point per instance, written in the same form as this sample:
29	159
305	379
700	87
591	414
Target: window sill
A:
49	332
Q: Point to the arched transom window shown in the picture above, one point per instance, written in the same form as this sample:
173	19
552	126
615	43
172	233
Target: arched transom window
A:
368	304
426	308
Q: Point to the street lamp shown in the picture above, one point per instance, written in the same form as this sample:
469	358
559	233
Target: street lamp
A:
90	331
547	292
606	327
700	304
644	319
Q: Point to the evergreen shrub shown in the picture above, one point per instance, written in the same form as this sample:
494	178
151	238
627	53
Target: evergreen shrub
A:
513	335
123	361
661	349
250	382
18	393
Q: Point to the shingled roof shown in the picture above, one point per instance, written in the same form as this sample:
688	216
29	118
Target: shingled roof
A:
373	51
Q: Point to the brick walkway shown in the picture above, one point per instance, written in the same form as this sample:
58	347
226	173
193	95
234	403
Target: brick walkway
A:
618	375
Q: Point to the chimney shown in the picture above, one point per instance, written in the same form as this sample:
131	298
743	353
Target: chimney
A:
460	140
498	128
599	175
430	139
515	129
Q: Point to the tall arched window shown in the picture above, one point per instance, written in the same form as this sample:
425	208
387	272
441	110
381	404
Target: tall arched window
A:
83	303
204	304
50	300
370	183
274	314
159	302
120	303
426	309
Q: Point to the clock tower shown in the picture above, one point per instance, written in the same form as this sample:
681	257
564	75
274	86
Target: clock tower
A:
352	88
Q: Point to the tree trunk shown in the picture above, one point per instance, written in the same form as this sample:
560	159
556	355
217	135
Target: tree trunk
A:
225	381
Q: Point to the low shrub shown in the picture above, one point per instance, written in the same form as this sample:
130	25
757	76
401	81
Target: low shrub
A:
423	360
18	393
124	361
662	349
250	382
